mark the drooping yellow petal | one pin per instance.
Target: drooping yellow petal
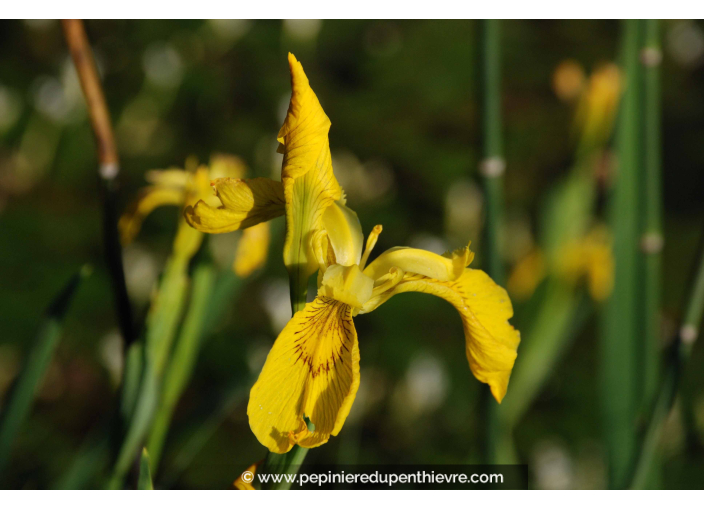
(245, 202)
(252, 250)
(413, 260)
(149, 199)
(309, 184)
(311, 371)
(345, 233)
(490, 341)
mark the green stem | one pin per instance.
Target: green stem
(620, 340)
(652, 235)
(680, 354)
(20, 403)
(492, 168)
(651, 241)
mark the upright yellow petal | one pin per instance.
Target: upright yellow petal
(490, 341)
(309, 184)
(311, 371)
(345, 233)
(245, 202)
(252, 250)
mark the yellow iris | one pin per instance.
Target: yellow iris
(588, 258)
(312, 371)
(184, 188)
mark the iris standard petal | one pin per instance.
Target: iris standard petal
(311, 371)
(309, 184)
(245, 202)
(345, 233)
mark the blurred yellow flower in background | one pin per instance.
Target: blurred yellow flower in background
(592, 258)
(596, 111)
(589, 257)
(568, 80)
(527, 275)
(184, 188)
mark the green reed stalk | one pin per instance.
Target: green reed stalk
(492, 169)
(679, 355)
(619, 349)
(651, 241)
(652, 236)
(20, 402)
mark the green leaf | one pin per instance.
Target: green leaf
(20, 402)
(145, 474)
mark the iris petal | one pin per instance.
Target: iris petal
(491, 342)
(311, 371)
(245, 202)
(309, 184)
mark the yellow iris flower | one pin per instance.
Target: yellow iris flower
(592, 258)
(313, 368)
(184, 188)
(589, 258)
